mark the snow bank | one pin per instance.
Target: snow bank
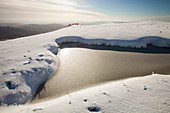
(19, 85)
(27, 62)
(149, 94)
(135, 35)
(136, 43)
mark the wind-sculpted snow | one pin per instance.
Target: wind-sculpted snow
(28, 62)
(149, 94)
(134, 43)
(19, 85)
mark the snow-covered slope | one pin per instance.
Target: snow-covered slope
(26, 63)
(149, 94)
(136, 35)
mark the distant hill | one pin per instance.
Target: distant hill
(12, 31)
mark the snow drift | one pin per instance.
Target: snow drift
(142, 42)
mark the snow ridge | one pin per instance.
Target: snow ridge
(142, 42)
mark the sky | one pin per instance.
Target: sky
(69, 11)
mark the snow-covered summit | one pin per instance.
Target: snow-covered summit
(26, 63)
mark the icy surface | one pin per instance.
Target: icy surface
(26, 63)
(149, 94)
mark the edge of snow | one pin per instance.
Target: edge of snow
(142, 42)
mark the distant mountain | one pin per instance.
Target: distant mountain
(12, 31)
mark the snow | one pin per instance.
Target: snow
(149, 94)
(27, 62)
(134, 43)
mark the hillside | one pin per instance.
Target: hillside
(12, 31)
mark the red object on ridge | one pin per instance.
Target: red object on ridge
(73, 24)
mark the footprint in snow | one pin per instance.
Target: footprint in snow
(48, 61)
(39, 59)
(41, 55)
(105, 93)
(36, 109)
(94, 108)
(85, 100)
(145, 88)
(27, 62)
(30, 58)
(124, 84)
(11, 85)
(13, 72)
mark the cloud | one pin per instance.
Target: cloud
(48, 11)
(71, 3)
(59, 11)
